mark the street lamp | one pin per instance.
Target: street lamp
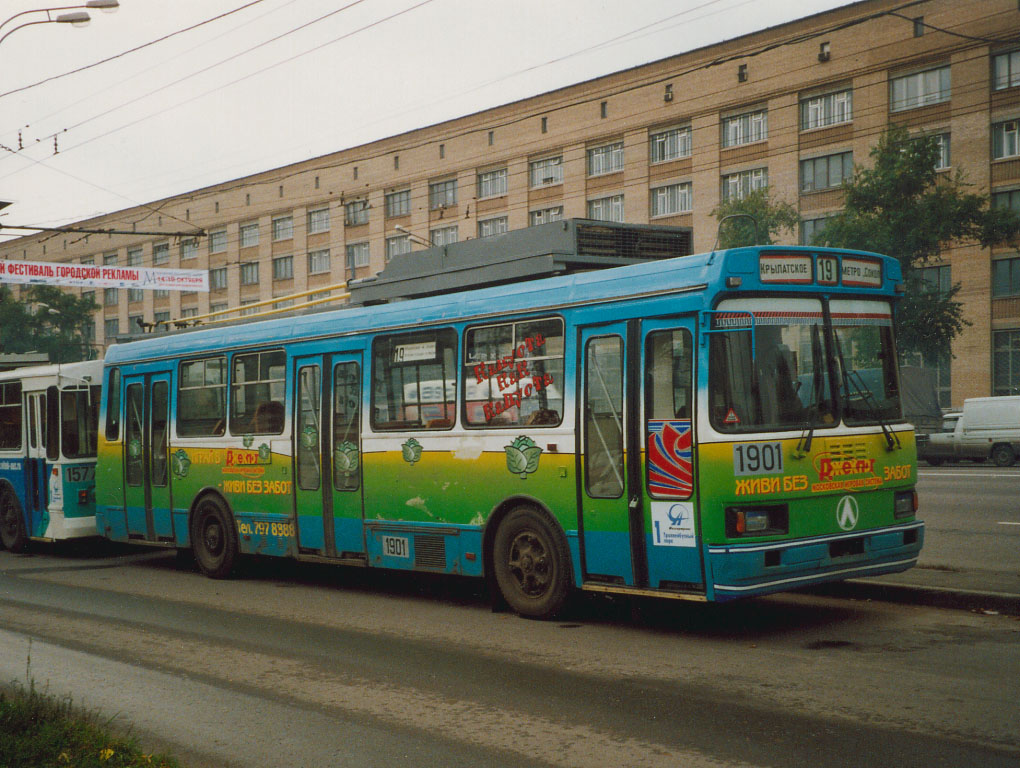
(77, 18)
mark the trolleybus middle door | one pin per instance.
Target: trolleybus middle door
(147, 457)
(612, 518)
(327, 454)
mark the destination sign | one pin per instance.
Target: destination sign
(785, 268)
(864, 273)
(801, 268)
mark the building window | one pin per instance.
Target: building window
(161, 321)
(356, 213)
(160, 253)
(944, 159)
(1004, 139)
(1006, 68)
(283, 268)
(218, 241)
(605, 159)
(745, 128)
(218, 279)
(918, 26)
(830, 109)
(318, 261)
(189, 311)
(111, 327)
(606, 208)
(671, 199)
(398, 203)
(1006, 277)
(318, 221)
(810, 229)
(442, 194)
(736, 186)
(222, 307)
(249, 234)
(919, 89)
(161, 293)
(1006, 362)
(825, 172)
(546, 172)
(189, 248)
(110, 297)
(494, 226)
(1009, 199)
(545, 215)
(398, 245)
(670, 144)
(357, 255)
(492, 183)
(250, 273)
(247, 308)
(283, 228)
(444, 235)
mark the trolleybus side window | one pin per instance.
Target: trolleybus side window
(257, 393)
(603, 417)
(346, 426)
(202, 398)
(51, 424)
(414, 383)
(113, 405)
(513, 374)
(10, 416)
(79, 422)
(309, 428)
(133, 434)
(669, 406)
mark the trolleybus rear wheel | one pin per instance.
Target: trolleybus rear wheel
(12, 522)
(213, 538)
(531, 563)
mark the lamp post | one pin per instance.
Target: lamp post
(416, 238)
(76, 18)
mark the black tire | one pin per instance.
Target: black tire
(214, 538)
(13, 535)
(934, 462)
(532, 564)
(1003, 455)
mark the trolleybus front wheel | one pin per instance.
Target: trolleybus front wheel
(12, 522)
(531, 563)
(213, 538)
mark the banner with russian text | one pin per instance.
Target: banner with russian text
(106, 276)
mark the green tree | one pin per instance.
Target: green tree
(771, 216)
(58, 326)
(903, 207)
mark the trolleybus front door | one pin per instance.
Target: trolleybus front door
(671, 505)
(638, 491)
(147, 457)
(611, 501)
(327, 455)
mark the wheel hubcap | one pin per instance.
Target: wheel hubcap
(529, 564)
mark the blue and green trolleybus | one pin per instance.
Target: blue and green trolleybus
(706, 427)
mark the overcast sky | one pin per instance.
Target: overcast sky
(280, 81)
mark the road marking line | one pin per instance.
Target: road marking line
(1001, 523)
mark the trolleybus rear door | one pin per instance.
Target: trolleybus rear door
(327, 454)
(147, 500)
(612, 519)
(671, 525)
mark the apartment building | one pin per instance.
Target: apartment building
(793, 107)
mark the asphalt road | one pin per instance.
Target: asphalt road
(293, 665)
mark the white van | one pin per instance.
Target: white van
(988, 427)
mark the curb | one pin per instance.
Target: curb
(937, 597)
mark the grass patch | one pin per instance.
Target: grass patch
(39, 730)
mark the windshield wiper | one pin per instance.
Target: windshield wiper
(892, 440)
(817, 383)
